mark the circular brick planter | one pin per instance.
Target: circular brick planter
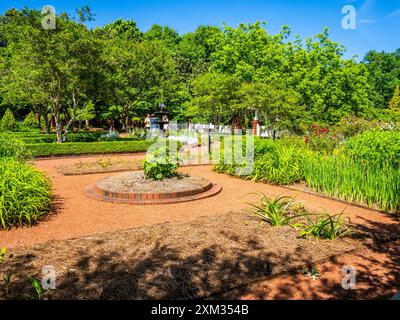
(94, 191)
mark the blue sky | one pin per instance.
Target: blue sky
(378, 21)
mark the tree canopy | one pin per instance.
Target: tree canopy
(214, 74)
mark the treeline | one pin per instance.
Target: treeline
(220, 75)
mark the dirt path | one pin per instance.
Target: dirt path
(77, 215)
(377, 273)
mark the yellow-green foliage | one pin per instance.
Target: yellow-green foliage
(25, 194)
(8, 122)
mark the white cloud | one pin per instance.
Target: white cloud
(394, 13)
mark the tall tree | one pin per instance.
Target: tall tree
(384, 76)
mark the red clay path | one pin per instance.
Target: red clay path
(77, 215)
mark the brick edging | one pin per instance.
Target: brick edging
(94, 192)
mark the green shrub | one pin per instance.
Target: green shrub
(59, 149)
(84, 137)
(13, 147)
(159, 165)
(40, 139)
(25, 194)
(8, 122)
(28, 134)
(274, 161)
(375, 147)
(322, 140)
(30, 121)
(281, 166)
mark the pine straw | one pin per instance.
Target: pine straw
(103, 165)
(196, 259)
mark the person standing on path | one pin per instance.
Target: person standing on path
(147, 122)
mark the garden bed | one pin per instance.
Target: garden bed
(134, 188)
(197, 259)
(103, 165)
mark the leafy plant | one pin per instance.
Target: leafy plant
(3, 252)
(375, 147)
(281, 166)
(138, 134)
(312, 273)
(325, 226)
(13, 147)
(376, 186)
(38, 289)
(25, 194)
(161, 164)
(7, 279)
(322, 140)
(277, 211)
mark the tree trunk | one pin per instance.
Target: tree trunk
(47, 123)
(67, 127)
(87, 124)
(58, 128)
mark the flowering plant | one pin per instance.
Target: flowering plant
(322, 139)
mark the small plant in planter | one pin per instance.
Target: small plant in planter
(159, 165)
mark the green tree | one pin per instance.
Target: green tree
(30, 121)
(278, 107)
(8, 122)
(122, 29)
(384, 76)
(143, 75)
(216, 98)
(394, 105)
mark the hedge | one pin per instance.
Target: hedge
(81, 148)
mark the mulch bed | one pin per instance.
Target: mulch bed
(103, 165)
(138, 183)
(197, 259)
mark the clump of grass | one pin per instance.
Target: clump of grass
(25, 194)
(13, 147)
(376, 186)
(277, 212)
(325, 226)
(284, 211)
